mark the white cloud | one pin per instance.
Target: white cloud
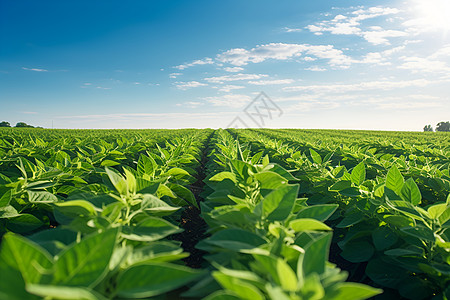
(233, 69)
(272, 82)
(235, 77)
(362, 86)
(351, 25)
(420, 64)
(189, 84)
(287, 29)
(315, 69)
(35, 69)
(229, 87)
(283, 51)
(233, 100)
(205, 61)
(175, 75)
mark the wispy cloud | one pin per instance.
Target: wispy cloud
(282, 51)
(175, 75)
(362, 86)
(189, 84)
(272, 82)
(350, 24)
(233, 69)
(229, 87)
(205, 61)
(35, 69)
(288, 29)
(235, 77)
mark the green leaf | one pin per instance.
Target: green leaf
(5, 199)
(383, 237)
(152, 279)
(270, 180)
(24, 256)
(41, 197)
(76, 208)
(355, 291)
(63, 292)
(316, 255)
(357, 251)
(279, 203)
(150, 229)
(287, 276)
(183, 193)
(24, 223)
(358, 174)
(224, 175)
(222, 295)
(394, 179)
(243, 289)
(385, 274)
(153, 204)
(420, 232)
(307, 225)
(109, 163)
(340, 185)
(117, 181)
(315, 157)
(410, 192)
(236, 239)
(85, 263)
(319, 212)
(436, 210)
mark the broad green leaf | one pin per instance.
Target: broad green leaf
(270, 180)
(279, 203)
(385, 274)
(420, 232)
(63, 292)
(131, 181)
(312, 288)
(117, 181)
(357, 251)
(355, 291)
(153, 204)
(243, 289)
(235, 239)
(183, 193)
(41, 197)
(146, 165)
(109, 163)
(410, 192)
(383, 237)
(76, 208)
(24, 256)
(315, 156)
(24, 223)
(316, 255)
(150, 229)
(222, 295)
(358, 174)
(223, 175)
(340, 185)
(85, 263)
(437, 210)
(319, 212)
(287, 276)
(5, 199)
(152, 279)
(306, 224)
(394, 179)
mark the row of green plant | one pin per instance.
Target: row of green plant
(394, 231)
(107, 234)
(265, 243)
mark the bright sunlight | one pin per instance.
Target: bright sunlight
(434, 14)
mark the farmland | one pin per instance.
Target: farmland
(224, 214)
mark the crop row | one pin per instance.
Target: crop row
(111, 214)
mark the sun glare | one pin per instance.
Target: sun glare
(434, 14)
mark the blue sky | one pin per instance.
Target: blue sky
(173, 64)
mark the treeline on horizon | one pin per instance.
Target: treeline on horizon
(19, 124)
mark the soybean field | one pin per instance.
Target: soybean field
(224, 214)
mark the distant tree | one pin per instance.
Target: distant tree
(443, 126)
(5, 124)
(428, 128)
(23, 124)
